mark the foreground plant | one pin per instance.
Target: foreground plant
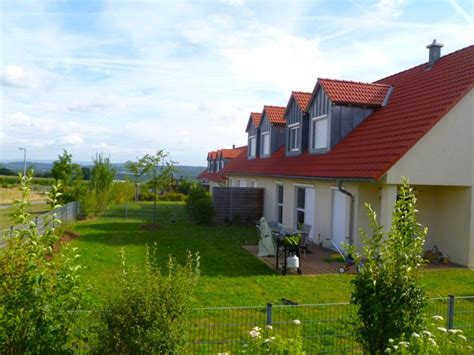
(434, 340)
(149, 314)
(39, 295)
(387, 291)
(268, 341)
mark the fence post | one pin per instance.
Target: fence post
(126, 210)
(451, 300)
(269, 314)
(65, 212)
(11, 231)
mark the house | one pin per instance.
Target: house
(348, 143)
(216, 160)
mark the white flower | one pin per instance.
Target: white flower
(269, 327)
(415, 335)
(257, 329)
(427, 333)
(297, 322)
(442, 329)
(388, 350)
(222, 353)
(462, 337)
(437, 317)
(432, 341)
(455, 331)
(254, 334)
(395, 347)
(390, 340)
(403, 344)
(245, 345)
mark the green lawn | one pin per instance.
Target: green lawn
(230, 275)
(35, 210)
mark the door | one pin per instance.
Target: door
(309, 210)
(339, 218)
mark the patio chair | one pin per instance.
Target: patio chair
(304, 230)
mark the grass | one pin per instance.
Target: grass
(230, 275)
(35, 210)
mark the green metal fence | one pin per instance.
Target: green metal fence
(325, 328)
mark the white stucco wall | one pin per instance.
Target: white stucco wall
(445, 155)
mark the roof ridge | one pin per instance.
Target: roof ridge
(354, 82)
(300, 92)
(422, 64)
(274, 106)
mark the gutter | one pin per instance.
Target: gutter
(300, 177)
(351, 212)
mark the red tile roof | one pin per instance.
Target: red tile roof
(354, 93)
(212, 155)
(215, 177)
(275, 114)
(231, 153)
(420, 98)
(302, 99)
(256, 117)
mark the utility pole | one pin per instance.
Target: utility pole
(24, 159)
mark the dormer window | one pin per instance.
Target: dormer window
(266, 143)
(208, 166)
(252, 152)
(222, 164)
(294, 134)
(320, 132)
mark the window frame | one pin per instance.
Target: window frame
(263, 135)
(242, 182)
(253, 183)
(294, 127)
(252, 147)
(300, 209)
(313, 129)
(278, 203)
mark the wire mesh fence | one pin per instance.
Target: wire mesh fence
(325, 328)
(166, 212)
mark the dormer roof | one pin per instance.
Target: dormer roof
(301, 98)
(345, 92)
(255, 118)
(231, 153)
(275, 114)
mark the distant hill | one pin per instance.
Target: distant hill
(43, 167)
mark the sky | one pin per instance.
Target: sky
(127, 78)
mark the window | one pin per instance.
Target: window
(294, 138)
(208, 166)
(242, 183)
(254, 183)
(300, 204)
(252, 147)
(266, 143)
(280, 204)
(222, 164)
(320, 132)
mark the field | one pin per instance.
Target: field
(6, 211)
(230, 275)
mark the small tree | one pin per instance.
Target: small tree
(137, 168)
(159, 169)
(387, 289)
(70, 176)
(39, 294)
(102, 177)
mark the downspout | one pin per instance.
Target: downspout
(351, 212)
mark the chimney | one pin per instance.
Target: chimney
(435, 52)
(233, 146)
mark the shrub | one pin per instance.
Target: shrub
(148, 315)
(199, 205)
(387, 289)
(172, 196)
(39, 295)
(122, 191)
(185, 186)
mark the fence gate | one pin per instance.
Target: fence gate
(237, 204)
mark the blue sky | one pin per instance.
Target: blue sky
(130, 77)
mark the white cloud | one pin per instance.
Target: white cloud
(17, 76)
(17, 119)
(72, 139)
(95, 104)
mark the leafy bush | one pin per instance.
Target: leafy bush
(39, 295)
(267, 341)
(172, 196)
(199, 205)
(122, 191)
(185, 186)
(387, 289)
(148, 315)
(434, 340)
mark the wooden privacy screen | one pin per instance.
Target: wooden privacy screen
(237, 204)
